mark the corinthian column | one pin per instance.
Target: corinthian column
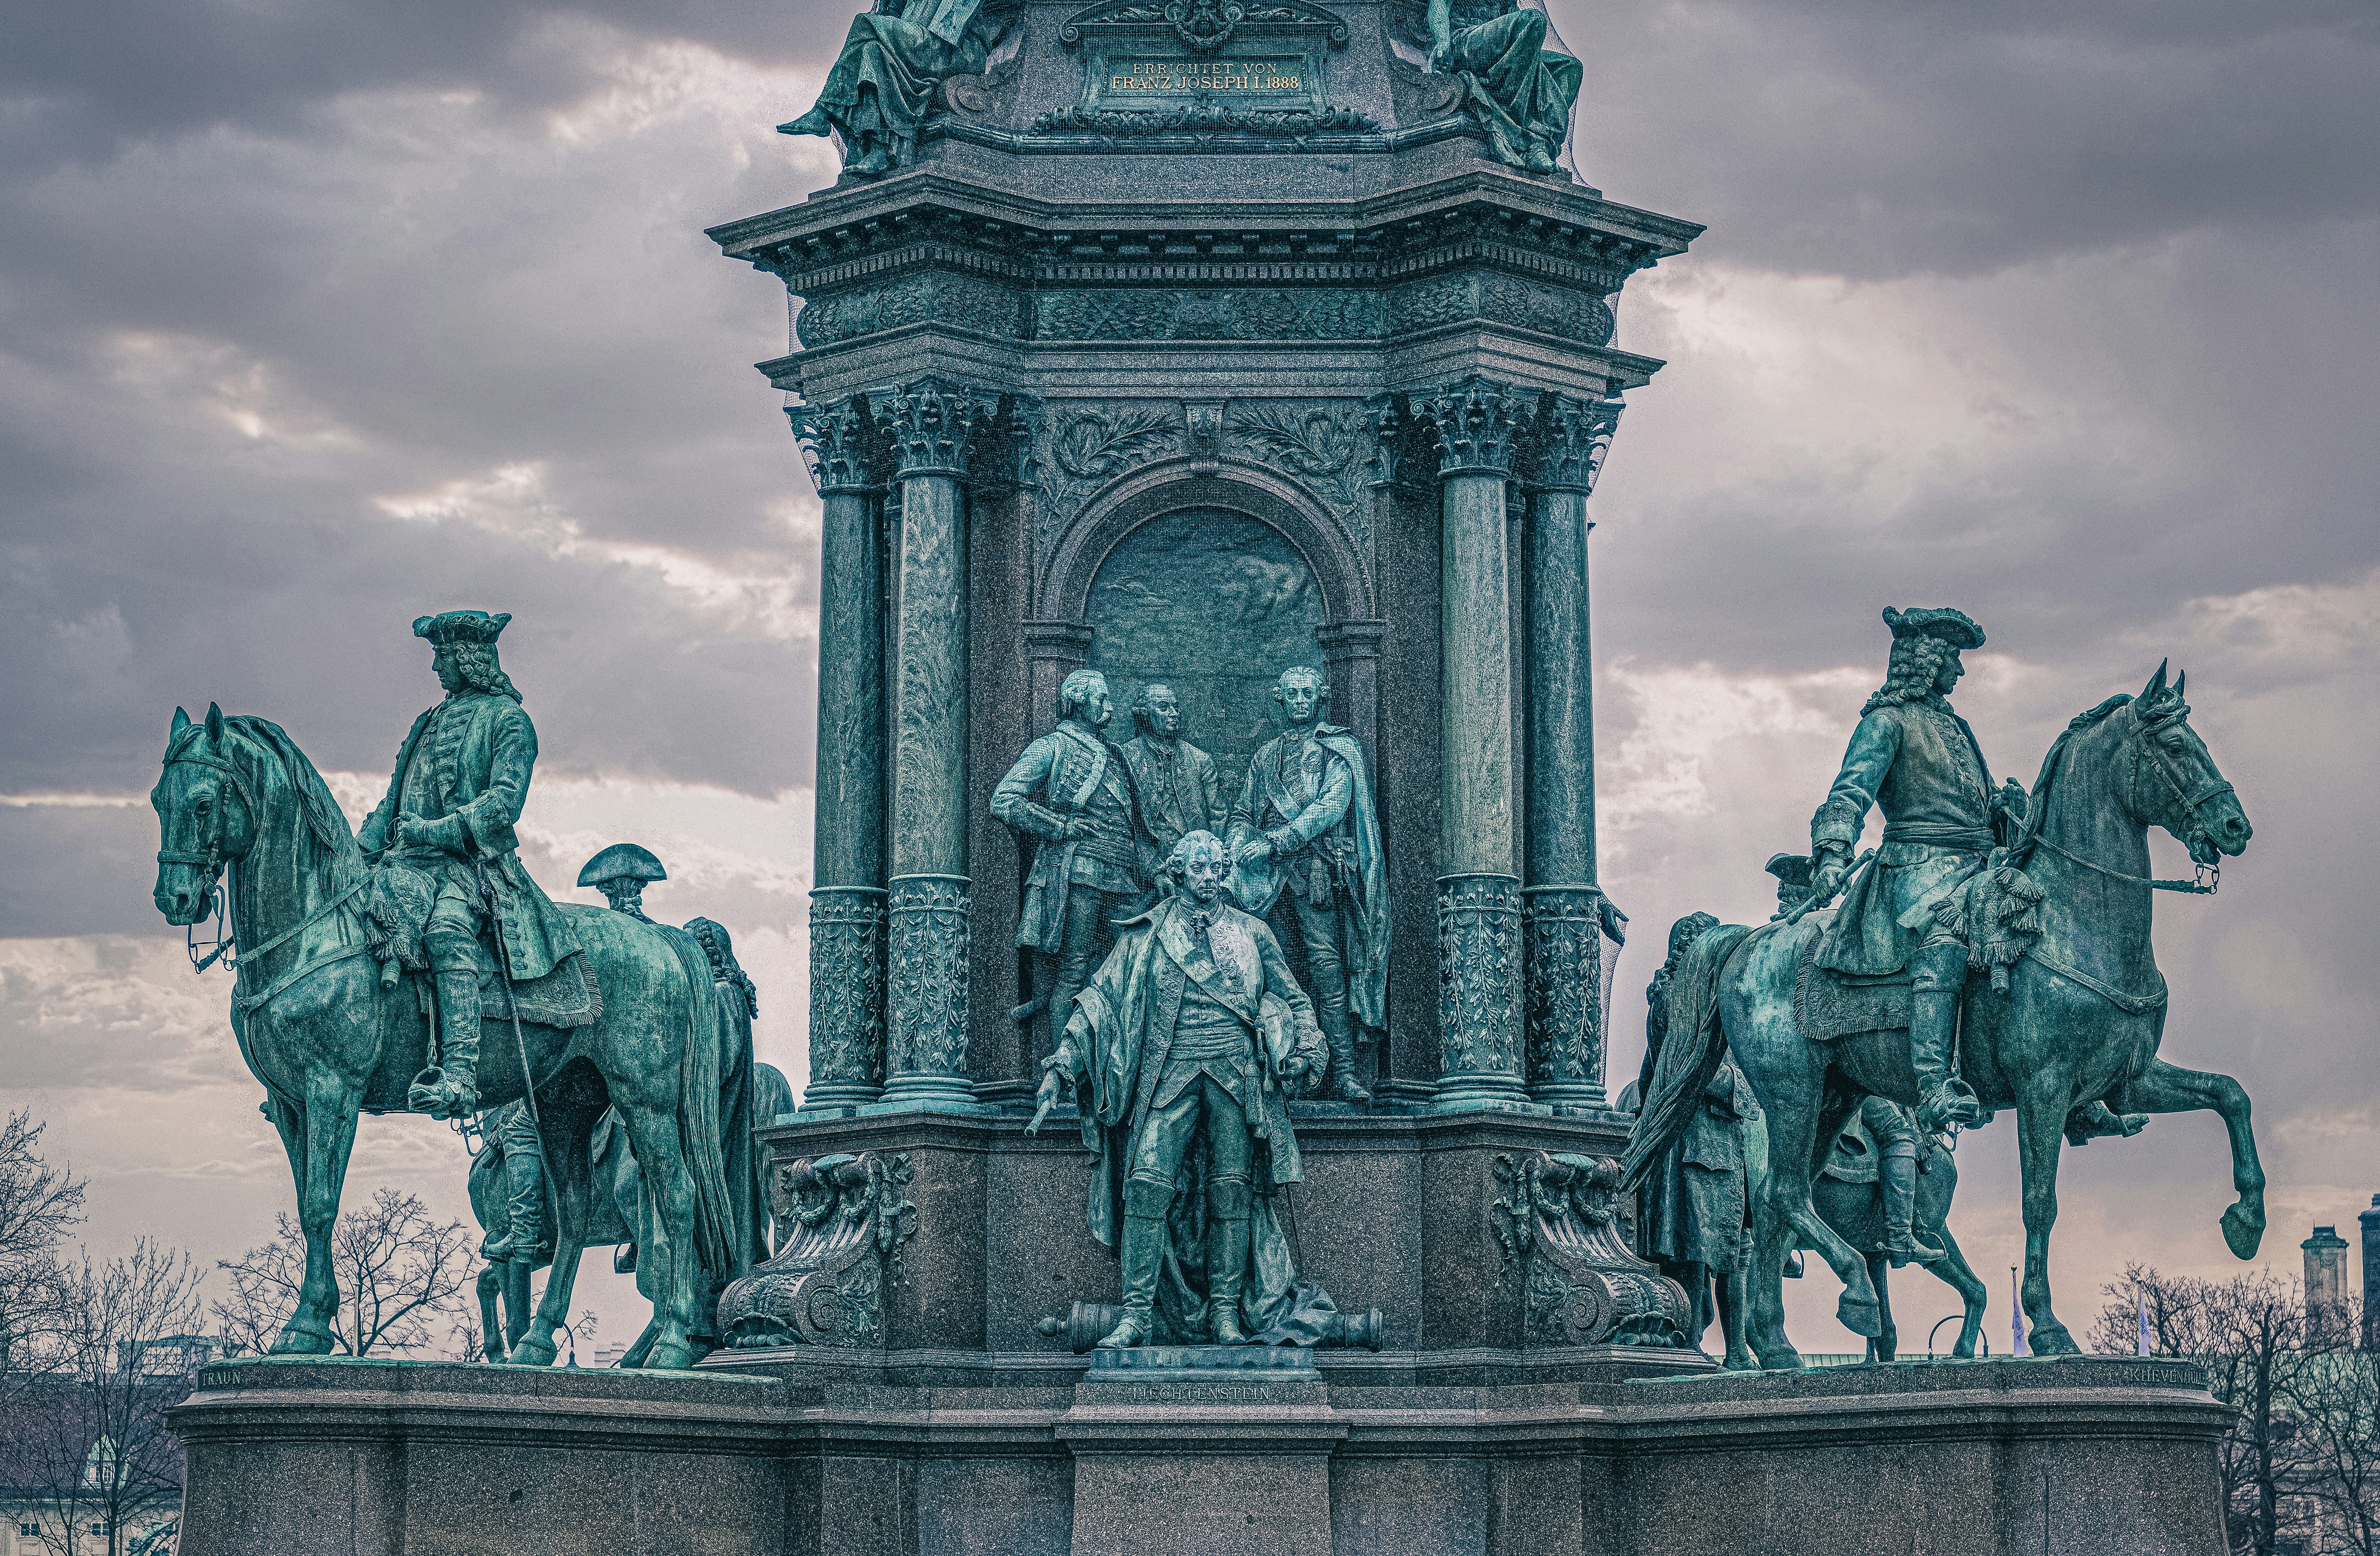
(1564, 914)
(847, 897)
(1478, 891)
(930, 895)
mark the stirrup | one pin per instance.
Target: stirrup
(1914, 1250)
(1947, 1101)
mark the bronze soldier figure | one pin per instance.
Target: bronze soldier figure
(621, 873)
(1179, 791)
(1193, 1029)
(1304, 830)
(462, 776)
(1073, 792)
(1918, 762)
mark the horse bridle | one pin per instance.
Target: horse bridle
(223, 947)
(2206, 879)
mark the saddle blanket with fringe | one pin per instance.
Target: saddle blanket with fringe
(565, 997)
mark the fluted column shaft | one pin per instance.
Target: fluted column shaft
(1479, 902)
(846, 1027)
(1565, 943)
(930, 895)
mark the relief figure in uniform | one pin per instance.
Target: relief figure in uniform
(1179, 791)
(1072, 793)
(1304, 834)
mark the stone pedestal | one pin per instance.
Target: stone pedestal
(842, 1453)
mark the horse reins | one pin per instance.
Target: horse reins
(224, 947)
(2207, 879)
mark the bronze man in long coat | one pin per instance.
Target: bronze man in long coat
(1304, 831)
(1179, 791)
(1072, 792)
(1918, 762)
(462, 776)
(1193, 1029)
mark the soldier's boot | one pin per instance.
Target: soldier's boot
(1898, 1174)
(1227, 1258)
(1938, 974)
(450, 1089)
(1143, 1251)
(1344, 1086)
(524, 1233)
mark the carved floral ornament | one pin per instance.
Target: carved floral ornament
(1205, 25)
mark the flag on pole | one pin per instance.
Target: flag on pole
(2142, 1297)
(2016, 1315)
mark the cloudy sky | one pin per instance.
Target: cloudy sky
(316, 315)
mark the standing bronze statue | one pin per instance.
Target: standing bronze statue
(1072, 792)
(1193, 1034)
(462, 776)
(1179, 791)
(1693, 1214)
(622, 872)
(1918, 762)
(1304, 831)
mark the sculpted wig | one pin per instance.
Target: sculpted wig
(1196, 846)
(1305, 671)
(1909, 674)
(480, 671)
(1140, 703)
(1076, 690)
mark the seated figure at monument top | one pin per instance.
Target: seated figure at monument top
(1520, 90)
(893, 64)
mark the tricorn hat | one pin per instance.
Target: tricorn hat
(1954, 627)
(622, 858)
(1791, 869)
(460, 627)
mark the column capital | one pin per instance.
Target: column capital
(1066, 640)
(931, 425)
(1477, 422)
(1567, 442)
(1342, 640)
(841, 445)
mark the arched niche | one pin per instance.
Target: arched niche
(1284, 524)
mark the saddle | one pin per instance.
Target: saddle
(1995, 912)
(396, 904)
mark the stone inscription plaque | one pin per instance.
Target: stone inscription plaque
(1234, 77)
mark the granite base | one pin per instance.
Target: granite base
(2109, 1456)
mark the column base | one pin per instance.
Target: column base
(945, 1094)
(837, 1098)
(1483, 1092)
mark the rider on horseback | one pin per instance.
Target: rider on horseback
(461, 777)
(1918, 762)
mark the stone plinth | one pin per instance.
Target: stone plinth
(821, 1455)
(341, 1457)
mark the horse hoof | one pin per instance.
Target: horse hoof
(1863, 1316)
(671, 1355)
(2052, 1341)
(533, 1352)
(2243, 1232)
(295, 1342)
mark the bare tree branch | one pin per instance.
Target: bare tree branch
(401, 1278)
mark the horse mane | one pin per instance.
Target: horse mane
(316, 805)
(2037, 803)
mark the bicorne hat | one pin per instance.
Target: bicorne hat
(622, 858)
(1791, 869)
(1954, 627)
(460, 627)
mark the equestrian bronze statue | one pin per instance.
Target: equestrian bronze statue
(2059, 1005)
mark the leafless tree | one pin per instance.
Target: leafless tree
(2251, 1335)
(401, 1278)
(38, 1204)
(92, 1440)
(2336, 1398)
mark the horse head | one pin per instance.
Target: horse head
(205, 816)
(2174, 783)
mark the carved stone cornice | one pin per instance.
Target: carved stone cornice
(1569, 442)
(1477, 423)
(930, 426)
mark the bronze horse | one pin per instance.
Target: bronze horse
(329, 1037)
(2073, 1035)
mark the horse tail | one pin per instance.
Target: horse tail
(1690, 1052)
(699, 1083)
(771, 1095)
